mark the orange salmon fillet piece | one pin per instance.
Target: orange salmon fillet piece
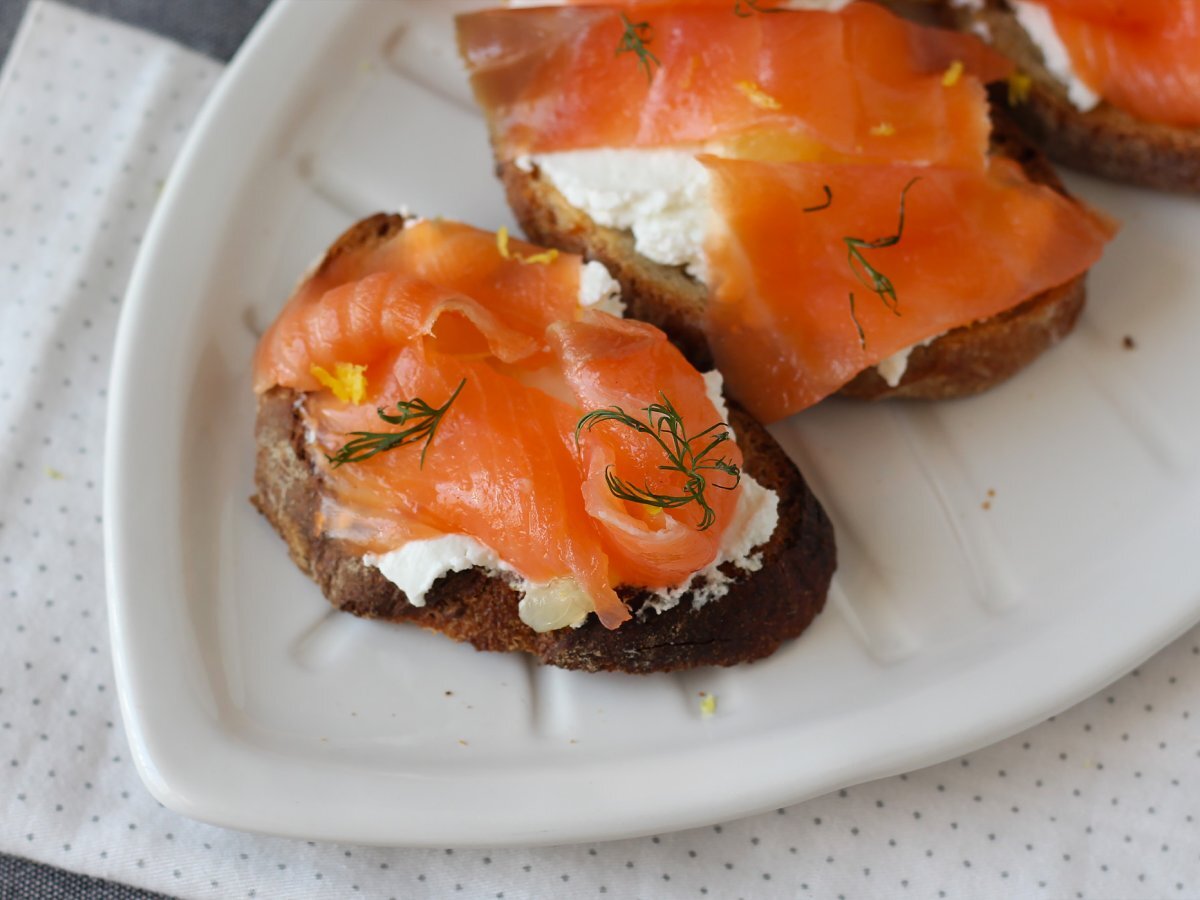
(821, 82)
(974, 244)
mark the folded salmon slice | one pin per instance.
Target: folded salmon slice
(616, 363)
(464, 321)
(1143, 56)
(861, 82)
(797, 314)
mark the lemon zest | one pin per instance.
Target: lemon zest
(544, 258)
(348, 381)
(883, 129)
(757, 95)
(951, 76)
(708, 705)
(1019, 85)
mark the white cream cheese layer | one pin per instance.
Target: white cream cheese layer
(599, 290)
(415, 566)
(892, 369)
(1039, 25)
(561, 602)
(660, 195)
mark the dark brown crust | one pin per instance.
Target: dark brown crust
(962, 362)
(970, 360)
(1105, 141)
(760, 611)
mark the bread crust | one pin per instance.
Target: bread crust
(760, 611)
(960, 363)
(1105, 141)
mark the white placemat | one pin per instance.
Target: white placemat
(1099, 802)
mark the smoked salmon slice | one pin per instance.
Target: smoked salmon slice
(860, 83)
(490, 335)
(1143, 56)
(796, 315)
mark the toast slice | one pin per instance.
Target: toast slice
(1105, 141)
(964, 361)
(761, 609)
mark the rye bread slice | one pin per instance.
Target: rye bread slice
(1105, 141)
(760, 611)
(962, 362)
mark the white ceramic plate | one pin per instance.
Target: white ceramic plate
(249, 703)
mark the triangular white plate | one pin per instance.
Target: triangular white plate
(1000, 558)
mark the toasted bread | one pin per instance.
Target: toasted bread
(760, 610)
(1105, 141)
(961, 362)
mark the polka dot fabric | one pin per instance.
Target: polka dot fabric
(1099, 802)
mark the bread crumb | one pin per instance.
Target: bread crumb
(59, 476)
(462, 742)
(1128, 342)
(986, 504)
(449, 693)
(991, 492)
(708, 705)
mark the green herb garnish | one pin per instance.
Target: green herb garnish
(665, 426)
(746, 8)
(868, 274)
(828, 201)
(634, 40)
(426, 420)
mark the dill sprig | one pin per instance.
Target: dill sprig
(868, 274)
(691, 457)
(424, 417)
(746, 8)
(634, 40)
(828, 201)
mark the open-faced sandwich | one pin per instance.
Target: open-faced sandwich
(816, 201)
(1109, 86)
(455, 430)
